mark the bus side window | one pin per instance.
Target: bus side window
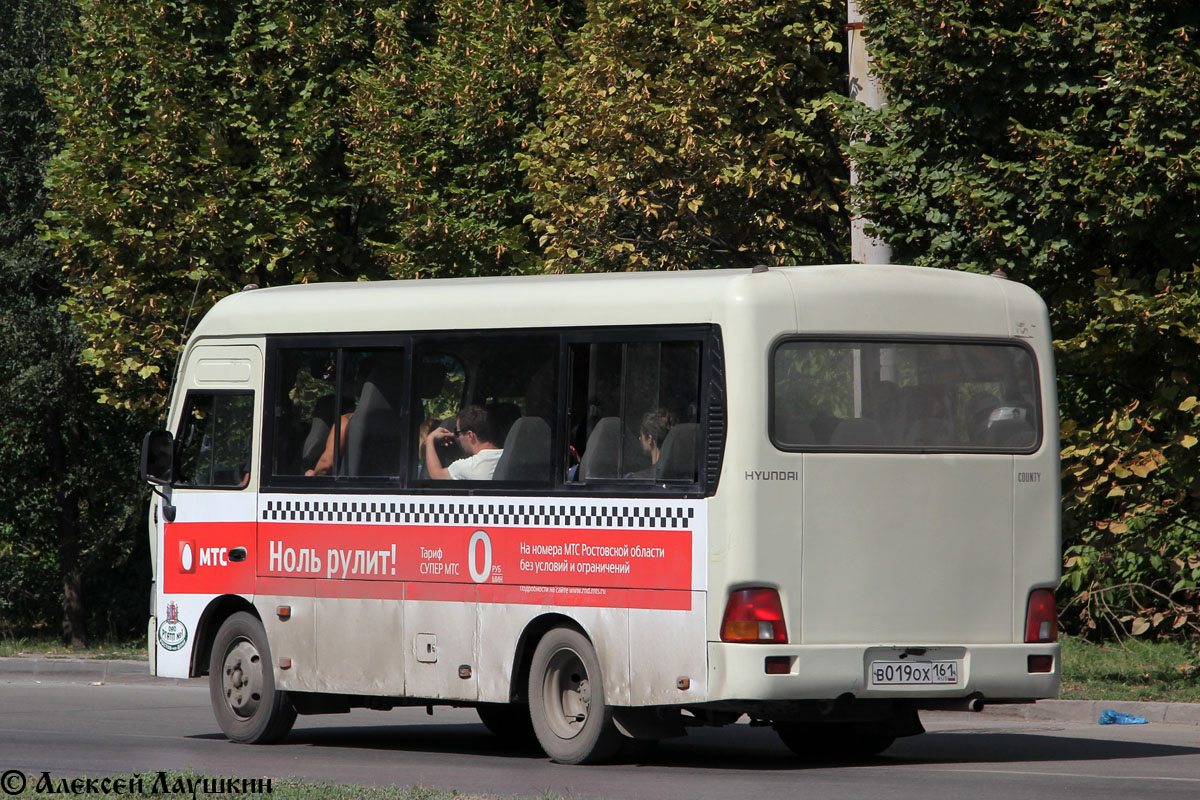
(304, 408)
(635, 411)
(215, 440)
(338, 412)
(514, 380)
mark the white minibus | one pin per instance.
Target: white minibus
(602, 509)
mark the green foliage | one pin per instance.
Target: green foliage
(204, 147)
(68, 513)
(1059, 141)
(1137, 669)
(438, 119)
(690, 135)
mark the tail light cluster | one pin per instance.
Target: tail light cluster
(754, 616)
(1041, 618)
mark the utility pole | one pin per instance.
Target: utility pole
(864, 88)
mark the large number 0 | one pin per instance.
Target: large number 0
(479, 574)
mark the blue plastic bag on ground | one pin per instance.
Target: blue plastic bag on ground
(1110, 717)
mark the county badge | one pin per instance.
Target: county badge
(172, 634)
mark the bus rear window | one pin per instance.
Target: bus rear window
(904, 396)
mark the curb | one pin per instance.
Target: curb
(1088, 711)
(71, 669)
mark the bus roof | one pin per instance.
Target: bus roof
(828, 298)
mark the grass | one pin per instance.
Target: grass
(53, 648)
(1132, 670)
(179, 784)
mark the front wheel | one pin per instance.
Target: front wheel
(241, 684)
(509, 721)
(572, 721)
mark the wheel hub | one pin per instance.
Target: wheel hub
(242, 679)
(567, 694)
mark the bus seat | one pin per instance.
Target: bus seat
(979, 408)
(793, 430)
(373, 436)
(823, 426)
(526, 455)
(930, 432)
(862, 432)
(503, 415)
(603, 447)
(677, 459)
(318, 432)
(1010, 433)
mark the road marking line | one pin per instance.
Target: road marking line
(1072, 775)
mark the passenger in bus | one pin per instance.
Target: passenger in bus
(651, 435)
(476, 436)
(427, 427)
(324, 465)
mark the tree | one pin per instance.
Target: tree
(438, 120)
(690, 135)
(1058, 140)
(204, 147)
(68, 512)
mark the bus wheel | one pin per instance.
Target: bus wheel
(241, 684)
(566, 700)
(832, 742)
(509, 721)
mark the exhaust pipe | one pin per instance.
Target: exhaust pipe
(972, 702)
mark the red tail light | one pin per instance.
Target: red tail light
(754, 615)
(1041, 618)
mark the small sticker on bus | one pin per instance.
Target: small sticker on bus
(172, 634)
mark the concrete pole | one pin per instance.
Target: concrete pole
(863, 87)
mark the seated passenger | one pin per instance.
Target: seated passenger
(324, 465)
(476, 437)
(653, 432)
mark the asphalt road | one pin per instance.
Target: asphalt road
(70, 729)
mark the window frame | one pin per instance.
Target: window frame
(338, 343)
(178, 442)
(710, 345)
(712, 397)
(903, 339)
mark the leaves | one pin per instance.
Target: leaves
(684, 137)
(71, 498)
(204, 148)
(1059, 141)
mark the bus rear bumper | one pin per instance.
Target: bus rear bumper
(986, 672)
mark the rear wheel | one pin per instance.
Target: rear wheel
(570, 717)
(241, 684)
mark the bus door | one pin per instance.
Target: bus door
(329, 539)
(207, 548)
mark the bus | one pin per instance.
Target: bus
(820, 498)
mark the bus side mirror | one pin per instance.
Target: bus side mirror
(158, 457)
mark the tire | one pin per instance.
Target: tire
(833, 742)
(241, 684)
(570, 717)
(509, 721)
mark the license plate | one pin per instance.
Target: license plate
(913, 673)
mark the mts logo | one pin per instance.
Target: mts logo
(189, 555)
(214, 556)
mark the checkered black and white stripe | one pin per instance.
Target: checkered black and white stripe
(540, 514)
